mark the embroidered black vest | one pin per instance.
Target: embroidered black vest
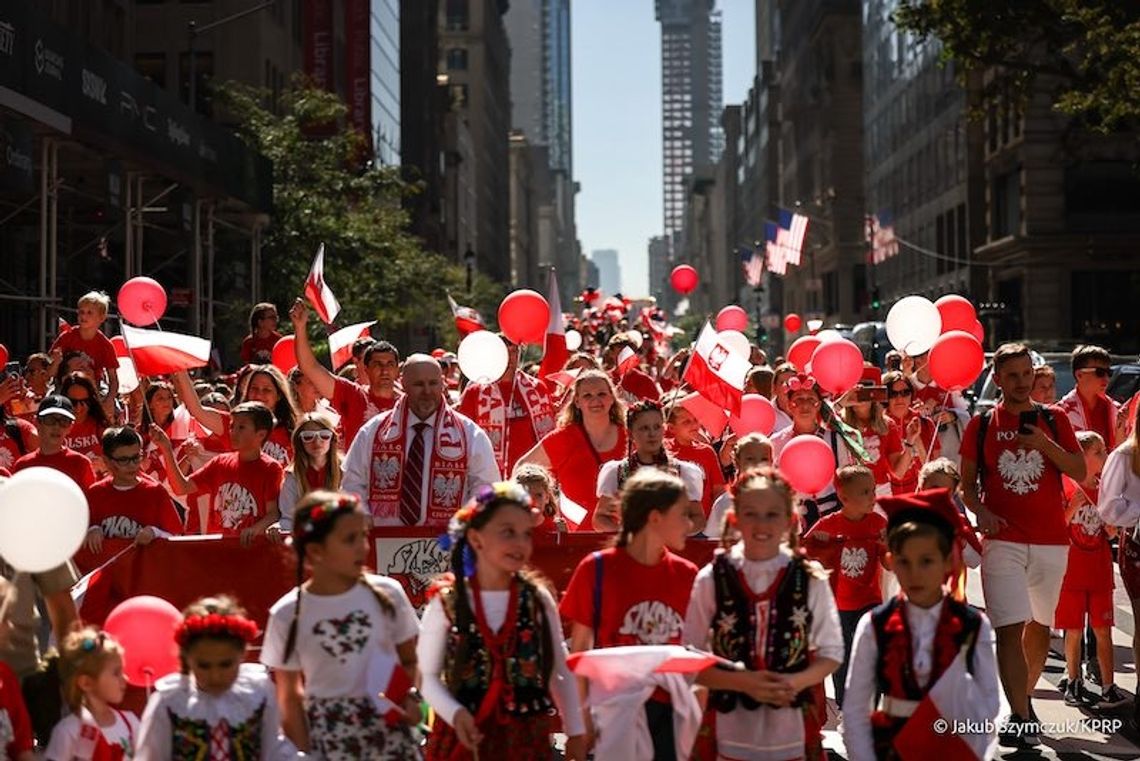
(959, 624)
(526, 692)
(733, 633)
(190, 738)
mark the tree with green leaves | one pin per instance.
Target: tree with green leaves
(324, 193)
(1086, 51)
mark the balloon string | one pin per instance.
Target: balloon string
(157, 326)
(934, 438)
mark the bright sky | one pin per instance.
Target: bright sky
(617, 121)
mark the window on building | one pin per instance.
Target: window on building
(203, 75)
(457, 59)
(457, 15)
(1005, 205)
(152, 66)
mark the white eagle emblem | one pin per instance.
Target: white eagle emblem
(1020, 470)
(852, 561)
(717, 357)
(446, 489)
(384, 472)
(1088, 519)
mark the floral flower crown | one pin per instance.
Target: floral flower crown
(322, 512)
(216, 624)
(488, 493)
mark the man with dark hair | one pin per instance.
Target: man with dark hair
(1012, 461)
(1087, 406)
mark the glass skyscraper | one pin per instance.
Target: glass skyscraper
(384, 34)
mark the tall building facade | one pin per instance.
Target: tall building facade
(384, 80)
(659, 269)
(609, 270)
(691, 97)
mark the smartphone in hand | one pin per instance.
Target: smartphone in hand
(1026, 419)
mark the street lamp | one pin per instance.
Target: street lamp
(194, 30)
(469, 263)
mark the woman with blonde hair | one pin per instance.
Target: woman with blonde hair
(316, 464)
(591, 431)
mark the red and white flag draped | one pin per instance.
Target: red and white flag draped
(317, 291)
(717, 372)
(627, 360)
(948, 705)
(615, 667)
(387, 680)
(160, 352)
(341, 341)
(467, 320)
(555, 353)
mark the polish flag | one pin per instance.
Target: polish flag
(62, 326)
(160, 352)
(612, 668)
(626, 361)
(555, 353)
(953, 701)
(717, 372)
(467, 320)
(713, 418)
(387, 680)
(565, 378)
(572, 512)
(340, 342)
(318, 291)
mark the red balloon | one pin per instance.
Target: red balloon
(141, 301)
(957, 313)
(732, 317)
(792, 323)
(684, 279)
(120, 346)
(284, 355)
(837, 365)
(956, 360)
(757, 415)
(524, 316)
(3, 354)
(978, 332)
(144, 626)
(801, 350)
(808, 464)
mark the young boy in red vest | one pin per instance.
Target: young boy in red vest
(243, 484)
(922, 661)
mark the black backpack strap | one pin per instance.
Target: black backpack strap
(1050, 419)
(597, 594)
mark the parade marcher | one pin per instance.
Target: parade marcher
(683, 441)
(257, 347)
(919, 642)
(490, 649)
(633, 383)
(87, 339)
(417, 463)
(86, 433)
(1087, 406)
(882, 437)
(316, 465)
(17, 435)
(540, 485)
(54, 420)
(749, 451)
(516, 411)
(340, 639)
(591, 431)
(763, 591)
(948, 409)
(1014, 488)
(1044, 385)
(918, 432)
(217, 699)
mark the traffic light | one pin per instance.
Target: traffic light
(876, 301)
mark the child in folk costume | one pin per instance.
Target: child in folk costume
(219, 707)
(91, 669)
(636, 593)
(763, 591)
(491, 651)
(922, 655)
(343, 643)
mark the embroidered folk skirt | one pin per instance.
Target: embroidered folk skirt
(515, 738)
(350, 729)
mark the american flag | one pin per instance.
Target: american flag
(881, 237)
(792, 233)
(753, 262)
(777, 257)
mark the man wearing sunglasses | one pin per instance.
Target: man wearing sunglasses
(1087, 406)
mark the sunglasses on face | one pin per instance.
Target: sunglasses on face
(1101, 372)
(310, 436)
(895, 392)
(134, 459)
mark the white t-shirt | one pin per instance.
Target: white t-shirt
(75, 736)
(691, 474)
(338, 636)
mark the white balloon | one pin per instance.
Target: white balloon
(128, 378)
(736, 341)
(825, 336)
(483, 357)
(43, 519)
(573, 340)
(913, 325)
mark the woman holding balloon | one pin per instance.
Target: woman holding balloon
(919, 433)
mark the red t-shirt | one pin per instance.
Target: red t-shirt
(99, 349)
(880, 447)
(851, 552)
(704, 457)
(357, 405)
(575, 465)
(9, 447)
(640, 604)
(1090, 555)
(258, 351)
(1022, 485)
(239, 492)
(520, 428)
(909, 482)
(123, 513)
(66, 461)
(14, 713)
(85, 438)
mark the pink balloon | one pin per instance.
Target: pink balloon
(524, 316)
(144, 626)
(978, 332)
(684, 279)
(792, 323)
(732, 317)
(141, 301)
(837, 365)
(957, 313)
(801, 350)
(757, 415)
(956, 360)
(284, 355)
(808, 464)
(120, 347)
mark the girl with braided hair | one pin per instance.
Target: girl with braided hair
(343, 643)
(494, 665)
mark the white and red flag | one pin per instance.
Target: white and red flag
(573, 513)
(467, 320)
(160, 352)
(555, 353)
(717, 372)
(317, 291)
(341, 341)
(62, 326)
(627, 360)
(614, 667)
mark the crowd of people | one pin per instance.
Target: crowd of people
(861, 582)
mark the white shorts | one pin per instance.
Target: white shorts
(1022, 582)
